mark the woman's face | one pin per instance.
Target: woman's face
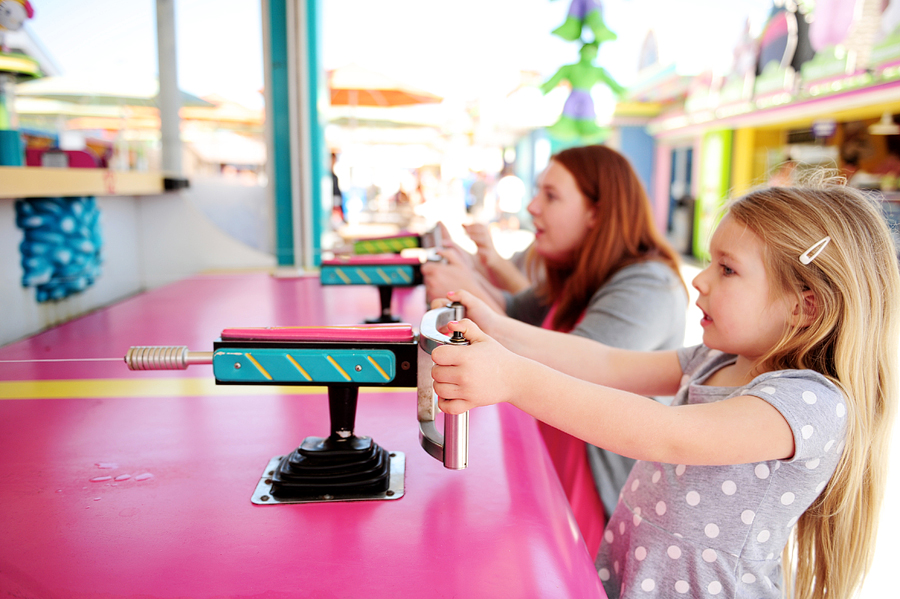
(561, 215)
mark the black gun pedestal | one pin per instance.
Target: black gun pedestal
(340, 467)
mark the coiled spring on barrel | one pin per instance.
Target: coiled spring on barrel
(164, 357)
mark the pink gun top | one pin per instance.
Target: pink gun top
(376, 333)
(372, 259)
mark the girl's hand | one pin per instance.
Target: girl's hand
(477, 310)
(480, 374)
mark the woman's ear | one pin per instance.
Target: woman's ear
(592, 217)
(805, 310)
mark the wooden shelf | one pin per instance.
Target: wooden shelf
(31, 182)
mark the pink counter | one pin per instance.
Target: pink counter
(138, 484)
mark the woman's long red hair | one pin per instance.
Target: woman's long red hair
(624, 234)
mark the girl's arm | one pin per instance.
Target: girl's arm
(737, 430)
(647, 373)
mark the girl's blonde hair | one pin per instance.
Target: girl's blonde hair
(852, 339)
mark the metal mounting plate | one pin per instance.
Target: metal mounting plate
(263, 493)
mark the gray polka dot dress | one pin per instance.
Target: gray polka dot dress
(718, 531)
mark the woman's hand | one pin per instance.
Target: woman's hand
(480, 374)
(442, 277)
(487, 254)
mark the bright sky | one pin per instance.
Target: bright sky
(451, 48)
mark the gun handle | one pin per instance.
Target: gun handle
(451, 448)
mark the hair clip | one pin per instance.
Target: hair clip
(814, 250)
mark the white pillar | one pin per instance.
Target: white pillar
(169, 99)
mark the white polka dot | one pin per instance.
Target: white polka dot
(692, 498)
(715, 587)
(682, 586)
(678, 534)
(640, 554)
(709, 556)
(768, 581)
(770, 556)
(763, 536)
(679, 469)
(603, 573)
(637, 519)
(616, 566)
(647, 585)
(769, 390)
(711, 530)
(674, 551)
(787, 498)
(747, 516)
(809, 397)
(729, 488)
(829, 445)
(812, 464)
(807, 431)
(660, 508)
(656, 476)
(609, 536)
(762, 471)
(841, 410)
(821, 486)
(748, 578)
(621, 528)
(791, 522)
(635, 484)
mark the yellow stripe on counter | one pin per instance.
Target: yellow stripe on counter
(140, 387)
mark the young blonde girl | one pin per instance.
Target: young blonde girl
(777, 438)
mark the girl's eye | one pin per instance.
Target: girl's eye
(726, 270)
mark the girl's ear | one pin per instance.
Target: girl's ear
(805, 310)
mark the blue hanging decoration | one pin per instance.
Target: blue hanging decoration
(61, 251)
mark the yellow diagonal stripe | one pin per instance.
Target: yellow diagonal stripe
(338, 367)
(343, 277)
(258, 366)
(156, 387)
(384, 276)
(298, 367)
(378, 368)
(362, 275)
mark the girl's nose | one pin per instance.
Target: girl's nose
(699, 282)
(533, 206)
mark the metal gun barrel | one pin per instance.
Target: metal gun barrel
(164, 357)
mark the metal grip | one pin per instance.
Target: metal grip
(164, 357)
(452, 448)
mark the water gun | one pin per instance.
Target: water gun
(342, 466)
